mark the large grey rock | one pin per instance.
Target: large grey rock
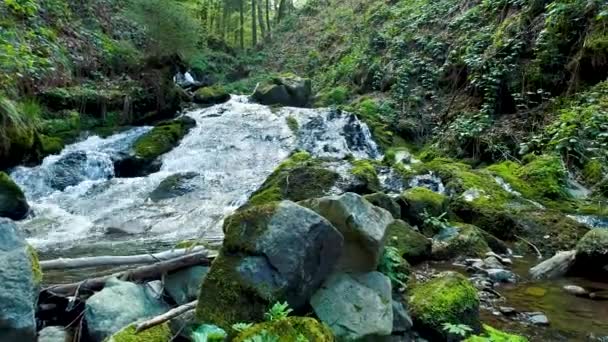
(117, 305)
(355, 306)
(52, 334)
(363, 225)
(274, 252)
(287, 90)
(18, 292)
(12, 200)
(385, 201)
(183, 285)
(554, 267)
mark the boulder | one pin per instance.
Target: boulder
(449, 298)
(162, 138)
(288, 330)
(285, 90)
(386, 202)
(555, 267)
(402, 322)
(416, 202)
(592, 252)
(459, 239)
(75, 167)
(274, 252)
(159, 333)
(119, 304)
(363, 225)
(211, 95)
(12, 200)
(173, 186)
(355, 305)
(183, 285)
(20, 277)
(53, 334)
(413, 246)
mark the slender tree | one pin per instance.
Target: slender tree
(261, 19)
(242, 23)
(268, 16)
(254, 28)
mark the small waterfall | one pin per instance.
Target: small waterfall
(78, 204)
(429, 181)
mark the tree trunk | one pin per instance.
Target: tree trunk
(242, 24)
(224, 20)
(254, 28)
(281, 11)
(261, 19)
(268, 18)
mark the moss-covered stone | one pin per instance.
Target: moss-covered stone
(592, 251)
(289, 330)
(466, 240)
(298, 178)
(12, 200)
(50, 145)
(413, 246)
(293, 124)
(417, 202)
(495, 335)
(159, 333)
(211, 95)
(449, 298)
(162, 138)
(286, 90)
(36, 270)
(365, 172)
(385, 201)
(173, 186)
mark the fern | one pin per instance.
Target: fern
(240, 327)
(278, 311)
(461, 330)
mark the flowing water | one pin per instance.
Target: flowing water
(80, 208)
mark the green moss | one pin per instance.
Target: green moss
(50, 145)
(296, 179)
(12, 200)
(386, 202)
(413, 246)
(449, 298)
(292, 123)
(365, 172)
(594, 245)
(159, 333)
(422, 201)
(546, 176)
(162, 138)
(333, 97)
(494, 335)
(593, 172)
(289, 330)
(211, 95)
(468, 241)
(36, 270)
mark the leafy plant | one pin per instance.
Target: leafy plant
(278, 311)
(438, 223)
(393, 265)
(240, 327)
(208, 333)
(263, 336)
(461, 330)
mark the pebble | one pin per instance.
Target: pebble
(507, 310)
(537, 318)
(576, 290)
(500, 275)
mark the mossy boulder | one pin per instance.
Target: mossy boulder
(298, 178)
(13, 203)
(18, 146)
(495, 335)
(385, 202)
(211, 95)
(459, 239)
(592, 252)
(173, 186)
(449, 298)
(416, 202)
(286, 90)
(49, 145)
(288, 330)
(159, 333)
(162, 138)
(413, 246)
(363, 225)
(274, 252)
(366, 175)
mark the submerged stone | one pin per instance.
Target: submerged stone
(355, 306)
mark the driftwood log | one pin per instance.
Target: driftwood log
(107, 261)
(139, 274)
(167, 316)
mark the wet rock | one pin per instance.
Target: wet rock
(75, 167)
(501, 259)
(413, 246)
(20, 280)
(12, 200)
(464, 240)
(449, 298)
(53, 334)
(500, 275)
(289, 329)
(275, 252)
(386, 202)
(402, 322)
(355, 306)
(507, 310)
(592, 252)
(363, 225)
(416, 202)
(492, 262)
(173, 186)
(576, 290)
(554, 267)
(211, 95)
(287, 90)
(130, 166)
(183, 285)
(120, 303)
(537, 318)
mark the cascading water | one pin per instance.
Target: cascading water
(230, 152)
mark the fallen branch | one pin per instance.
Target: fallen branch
(140, 274)
(105, 261)
(167, 316)
(540, 256)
